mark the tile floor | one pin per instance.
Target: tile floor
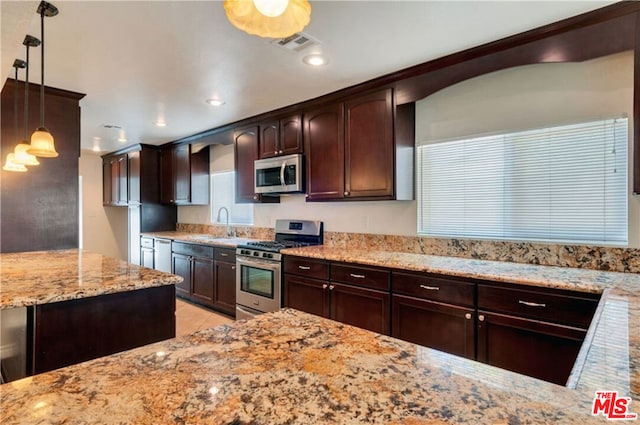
(191, 318)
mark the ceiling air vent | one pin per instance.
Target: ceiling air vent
(296, 42)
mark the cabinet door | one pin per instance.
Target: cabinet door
(106, 182)
(133, 167)
(224, 296)
(166, 176)
(202, 280)
(290, 135)
(305, 294)
(182, 174)
(181, 265)
(365, 308)
(269, 139)
(441, 326)
(369, 146)
(324, 152)
(114, 172)
(146, 257)
(531, 347)
(246, 151)
(123, 184)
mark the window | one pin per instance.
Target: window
(561, 184)
(223, 192)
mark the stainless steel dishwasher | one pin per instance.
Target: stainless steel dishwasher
(162, 258)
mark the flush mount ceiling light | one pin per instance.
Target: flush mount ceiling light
(42, 143)
(315, 59)
(215, 102)
(269, 18)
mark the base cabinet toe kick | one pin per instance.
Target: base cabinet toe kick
(535, 331)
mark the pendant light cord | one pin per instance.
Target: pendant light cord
(15, 103)
(26, 98)
(42, 68)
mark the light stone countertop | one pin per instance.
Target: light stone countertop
(41, 277)
(200, 238)
(288, 367)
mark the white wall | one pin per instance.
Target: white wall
(104, 229)
(516, 98)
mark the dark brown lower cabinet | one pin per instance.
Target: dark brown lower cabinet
(362, 307)
(181, 265)
(202, 280)
(305, 294)
(224, 297)
(437, 325)
(70, 332)
(543, 350)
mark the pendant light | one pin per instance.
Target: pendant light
(269, 18)
(42, 143)
(11, 164)
(20, 151)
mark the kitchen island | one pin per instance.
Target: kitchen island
(288, 367)
(66, 306)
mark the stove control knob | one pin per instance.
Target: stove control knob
(256, 254)
(267, 255)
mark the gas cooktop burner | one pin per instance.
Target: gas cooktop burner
(275, 246)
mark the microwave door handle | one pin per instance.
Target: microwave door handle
(282, 168)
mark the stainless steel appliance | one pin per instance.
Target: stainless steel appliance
(279, 175)
(259, 266)
(162, 255)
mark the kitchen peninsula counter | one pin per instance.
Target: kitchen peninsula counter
(288, 367)
(42, 277)
(610, 356)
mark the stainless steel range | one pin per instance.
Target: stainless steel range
(259, 266)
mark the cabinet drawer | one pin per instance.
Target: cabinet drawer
(307, 267)
(573, 309)
(361, 276)
(192, 249)
(223, 254)
(433, 287)
(146, 242)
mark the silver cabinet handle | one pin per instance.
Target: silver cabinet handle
(467, 316)
(233, 267)
(331, 287)
(357, 276)
(530, 304)
(324, 286)
(346, 194)
(224, 254)
(430, 288)
(304, 267)
(481, 317)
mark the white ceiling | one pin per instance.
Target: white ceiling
(138, 61)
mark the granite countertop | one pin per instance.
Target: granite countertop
(200, 238)
(289, 367)
(610, 356)
(41, 277)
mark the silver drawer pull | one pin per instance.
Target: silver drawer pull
(304, 267)
(430, 288)
(222, 254)
(331, 287)
(324, 286)
(530, 304)
(358, 276)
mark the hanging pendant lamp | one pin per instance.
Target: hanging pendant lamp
(269, 18)
(11, 164)
(20, 151)
(42, 143)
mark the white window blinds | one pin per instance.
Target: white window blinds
(562, 184)
(223, 193)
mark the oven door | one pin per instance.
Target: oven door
(258, 284)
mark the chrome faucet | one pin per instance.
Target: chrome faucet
(228, 232)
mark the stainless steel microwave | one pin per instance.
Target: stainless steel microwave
(281, 174)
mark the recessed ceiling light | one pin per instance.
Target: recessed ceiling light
(160, 123)
(315, 59)
(122, 139)
(96, 148)
(215, 102)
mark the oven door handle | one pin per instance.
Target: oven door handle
(258, 263)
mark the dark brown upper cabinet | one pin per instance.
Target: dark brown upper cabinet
(130, 176)
(184, 175)
(281, 137)
(351, 149)
(246, 148)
